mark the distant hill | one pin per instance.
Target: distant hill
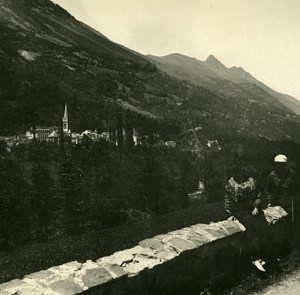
(207, 73)
(47, 57)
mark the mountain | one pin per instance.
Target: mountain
(209, 72)
(48, 58)
(62, 59)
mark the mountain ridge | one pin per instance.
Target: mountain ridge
(212, 68)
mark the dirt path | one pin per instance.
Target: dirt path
(289, 285)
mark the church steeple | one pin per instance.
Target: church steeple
(65, 119)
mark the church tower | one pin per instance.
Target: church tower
(65, 119)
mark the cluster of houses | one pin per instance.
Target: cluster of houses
(53, 134)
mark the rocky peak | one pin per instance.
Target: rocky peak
(213, 61)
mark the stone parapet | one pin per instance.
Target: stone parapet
(159, 265)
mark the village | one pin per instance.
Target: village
(55, 134)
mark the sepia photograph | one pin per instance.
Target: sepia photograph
(149, 147)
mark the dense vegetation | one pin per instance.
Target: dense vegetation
(48, 191)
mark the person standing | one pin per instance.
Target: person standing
(281, 190)
(242, 200)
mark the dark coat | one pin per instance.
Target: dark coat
(283, 191)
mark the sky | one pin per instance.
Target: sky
(262, 36)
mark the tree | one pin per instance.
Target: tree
(187, 179)
(69, 198)
(112, 132)
(30, 118)
(213, 182)
(120, 138)
(129, 129)
(41, 196)
(152, 181)
(14, 217)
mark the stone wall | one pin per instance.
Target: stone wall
(184, 261)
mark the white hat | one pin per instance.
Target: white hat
(280, 159)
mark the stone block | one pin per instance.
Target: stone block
(41, 275)
(166, 255)
(96, 276)
(199, 240)
(153, 243)
(233, 227)
(216, 233)
(180, 245)
(66, 268)
(115, 270)
(120, 257)
(13, 284)
(65, 287)
(30, 291)
(202, 231)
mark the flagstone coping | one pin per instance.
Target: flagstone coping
(74, 277)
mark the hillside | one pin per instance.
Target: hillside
(47, 57)
(208, 73)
